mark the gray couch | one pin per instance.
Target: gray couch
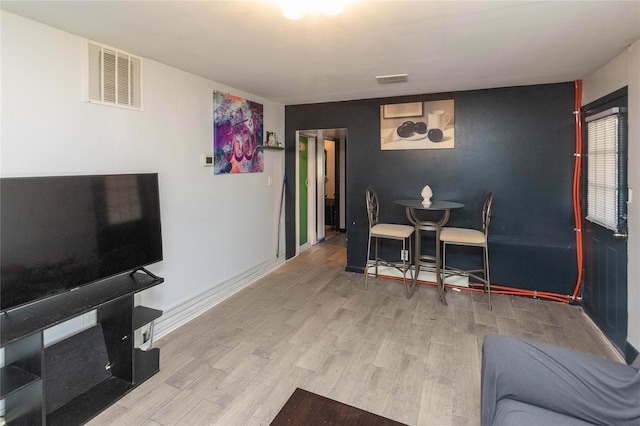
(530, 383)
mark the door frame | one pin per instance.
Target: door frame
(316, 165)
(291, 184)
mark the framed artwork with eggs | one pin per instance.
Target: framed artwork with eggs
(417, 125)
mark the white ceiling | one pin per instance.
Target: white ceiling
(442, 45)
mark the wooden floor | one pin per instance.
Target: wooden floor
(311, 325)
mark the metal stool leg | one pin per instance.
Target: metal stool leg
(486, 274)
(366, 265)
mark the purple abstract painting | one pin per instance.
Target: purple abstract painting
(237, 135)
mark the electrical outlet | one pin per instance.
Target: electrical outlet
(404, 255)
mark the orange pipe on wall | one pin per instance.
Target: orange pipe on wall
(576, 185)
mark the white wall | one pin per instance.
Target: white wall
(219, 232)
(624, 70)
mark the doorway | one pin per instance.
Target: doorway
(330, 190)
(320, 183)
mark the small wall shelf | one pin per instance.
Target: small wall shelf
(274, 148)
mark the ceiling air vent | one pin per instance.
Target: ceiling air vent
(396, 78)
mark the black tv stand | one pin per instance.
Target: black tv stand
(30, 368)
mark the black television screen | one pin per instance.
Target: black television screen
(62, 232)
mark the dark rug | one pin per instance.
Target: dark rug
(309, 409)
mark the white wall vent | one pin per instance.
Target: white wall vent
(395, 78)
(113, 77)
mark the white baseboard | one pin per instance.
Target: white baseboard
(426, 275)
(184, 312)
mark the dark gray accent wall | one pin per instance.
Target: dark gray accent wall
(517, 142)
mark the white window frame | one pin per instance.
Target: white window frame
(132, 98)
(604, 168)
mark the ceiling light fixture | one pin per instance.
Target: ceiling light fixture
(330, 7)
(296, 9)
(293, 10)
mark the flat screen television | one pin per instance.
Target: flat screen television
(62, 232)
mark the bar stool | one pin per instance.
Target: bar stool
(389, 231)
(470, 237)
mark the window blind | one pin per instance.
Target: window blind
(603, 169)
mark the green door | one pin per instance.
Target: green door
(303, 162)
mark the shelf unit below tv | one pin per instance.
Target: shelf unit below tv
(24, 376)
